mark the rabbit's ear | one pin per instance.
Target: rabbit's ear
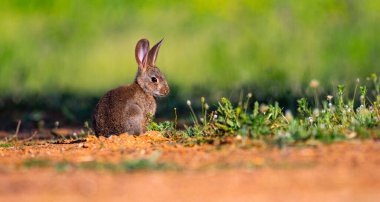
(152, 55)
(141, 51)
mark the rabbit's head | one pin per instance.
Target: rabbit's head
(149, 77)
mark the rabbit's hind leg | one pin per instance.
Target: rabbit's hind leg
(134, 120)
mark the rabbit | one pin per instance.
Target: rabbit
(127, 109)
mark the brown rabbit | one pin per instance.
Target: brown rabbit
(128, 108)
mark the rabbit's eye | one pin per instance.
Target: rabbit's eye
(154, 79)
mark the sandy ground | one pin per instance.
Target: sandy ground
(347, 171)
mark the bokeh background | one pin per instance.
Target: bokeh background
(58, 57)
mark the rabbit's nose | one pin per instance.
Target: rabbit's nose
(164, 91)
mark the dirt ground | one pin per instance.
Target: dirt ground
(237, 171)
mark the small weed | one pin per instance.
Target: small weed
(145, 164)
(36, 163)
(6, 145)
(63, 166)
(95, 165)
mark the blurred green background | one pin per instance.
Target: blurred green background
(272, 47)
(88, 46)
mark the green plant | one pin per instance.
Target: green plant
(332, 121)
(6, 145)
(36, 163)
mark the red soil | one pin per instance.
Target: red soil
(347, 171)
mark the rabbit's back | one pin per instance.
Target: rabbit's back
(123, 109)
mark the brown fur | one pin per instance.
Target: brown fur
(128, 108)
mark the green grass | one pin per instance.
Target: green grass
(6, 145)
(334, 118)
